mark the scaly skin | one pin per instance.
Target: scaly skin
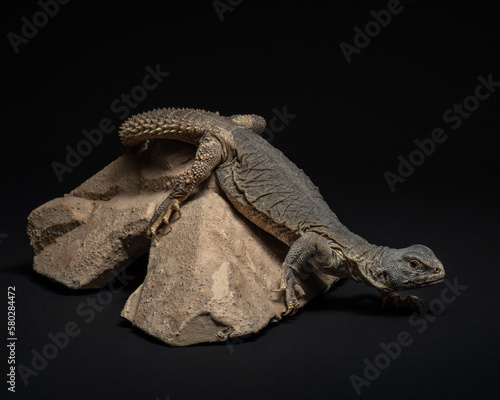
(277, 196)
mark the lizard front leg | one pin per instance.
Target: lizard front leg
(208, 156)
(308, 248)
(391, 299)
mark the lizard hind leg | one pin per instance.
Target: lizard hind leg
(208, 156)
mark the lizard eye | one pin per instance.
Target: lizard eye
(414, 263)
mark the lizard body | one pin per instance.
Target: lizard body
(276, 195)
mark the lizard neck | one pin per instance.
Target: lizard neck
(365, 266)
(362, 260)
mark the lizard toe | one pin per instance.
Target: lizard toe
(412, 302)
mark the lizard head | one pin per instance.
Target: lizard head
(411, 267)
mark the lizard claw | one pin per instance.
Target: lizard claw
(291, 309)
(412, 302)
(162, 216)
(176, 207)
(392, 300)
(293, 291)
(152, 232)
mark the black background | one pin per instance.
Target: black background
(352, 122)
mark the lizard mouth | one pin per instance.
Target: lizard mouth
(423, 282)
(435, 281)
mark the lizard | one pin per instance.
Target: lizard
(277, 196)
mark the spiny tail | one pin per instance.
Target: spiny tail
(187, 125)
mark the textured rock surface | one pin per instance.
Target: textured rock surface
(83, 239)
(210, 278)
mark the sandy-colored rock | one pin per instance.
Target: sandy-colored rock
(211, 278)
(84, 238)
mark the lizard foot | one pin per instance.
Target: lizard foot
(293, 291)
(162, 215)
(392, 300)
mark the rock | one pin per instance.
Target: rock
(212, 278)
(85, 238)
